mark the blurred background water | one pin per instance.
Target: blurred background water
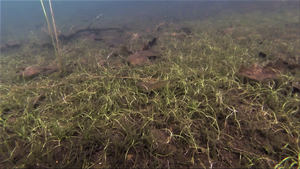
(21, 19)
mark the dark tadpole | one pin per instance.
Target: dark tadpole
(262, 55)
(150, 44)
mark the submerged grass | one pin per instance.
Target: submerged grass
(98, 117)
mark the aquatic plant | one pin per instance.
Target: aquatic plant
(56, 42)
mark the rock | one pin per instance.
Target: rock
(36, 70)
(270, 71)
(257, 72)
(141, 57)
(227, 31)
(12, 44)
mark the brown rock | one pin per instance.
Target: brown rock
(37, 70)
(258, 73)
(101, 62)
(270, 71)
(140, 58)
(227, 31)
(31, 71)
(12, 44)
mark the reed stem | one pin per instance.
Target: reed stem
(55, 44)
(56, 37)
(49, 27)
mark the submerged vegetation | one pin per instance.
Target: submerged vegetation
(201, 96)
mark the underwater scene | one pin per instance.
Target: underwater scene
(149, 84)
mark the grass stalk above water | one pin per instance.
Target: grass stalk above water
(56, 42)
